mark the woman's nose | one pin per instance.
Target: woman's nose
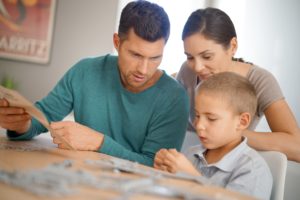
(199, 66)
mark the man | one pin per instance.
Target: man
(123, 106)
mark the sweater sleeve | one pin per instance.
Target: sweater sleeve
(55, 106)
(166, 130)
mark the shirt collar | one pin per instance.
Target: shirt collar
(228, 162)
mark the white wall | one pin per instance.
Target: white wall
(268, 33)
(81, 29)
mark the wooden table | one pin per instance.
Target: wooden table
(42, 153)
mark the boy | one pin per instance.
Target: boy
(225, 104)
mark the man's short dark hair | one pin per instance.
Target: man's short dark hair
(148, 20)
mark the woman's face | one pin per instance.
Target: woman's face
(206, 57)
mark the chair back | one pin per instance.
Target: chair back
(277, 162)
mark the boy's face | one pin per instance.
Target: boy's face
(217, 126)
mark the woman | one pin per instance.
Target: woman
(210, 43)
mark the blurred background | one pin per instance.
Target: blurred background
(268, 34)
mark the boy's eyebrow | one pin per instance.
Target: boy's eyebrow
(206, 113)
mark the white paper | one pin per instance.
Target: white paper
(15, 99)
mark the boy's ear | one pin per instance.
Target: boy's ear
(245, 119)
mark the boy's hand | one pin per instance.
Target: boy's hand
(159, 160)
(180, 163)
(173, 161)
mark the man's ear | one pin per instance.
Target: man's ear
(245, 119)
(116, 41)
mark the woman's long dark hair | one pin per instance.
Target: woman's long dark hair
(213, 24)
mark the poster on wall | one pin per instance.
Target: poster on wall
(26, 28)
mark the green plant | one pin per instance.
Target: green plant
(8, 83)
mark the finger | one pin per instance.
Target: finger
(168, 162)
(156, 165)
(158, 161)
(3, 103)
(20, 126)
(164, 168)
(65, 146)
(170, 157)
(11, 111)
(14, 118)
(171, 169)
(57, 132)
(56, 140)
(61, 146)
(173, 151)
(162, 153)
(59, 125)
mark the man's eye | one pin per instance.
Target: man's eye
(136, 55)
(155, 59)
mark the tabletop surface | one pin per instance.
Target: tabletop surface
(37, 169)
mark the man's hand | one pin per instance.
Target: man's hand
(78, 136)
(14, 118)
(173, 161)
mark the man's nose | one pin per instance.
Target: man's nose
(143, 66)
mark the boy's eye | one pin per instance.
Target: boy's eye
(212, 119)
(189, 58)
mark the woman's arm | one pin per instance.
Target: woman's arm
(285, 135)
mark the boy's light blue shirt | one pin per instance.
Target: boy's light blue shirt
(242, 170)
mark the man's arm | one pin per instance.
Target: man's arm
(166, 129)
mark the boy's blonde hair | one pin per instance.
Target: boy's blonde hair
(232, 88)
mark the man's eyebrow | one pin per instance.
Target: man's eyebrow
(136, 53)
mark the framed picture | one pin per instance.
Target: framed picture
(26, 28)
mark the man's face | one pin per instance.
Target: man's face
(138, 61)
